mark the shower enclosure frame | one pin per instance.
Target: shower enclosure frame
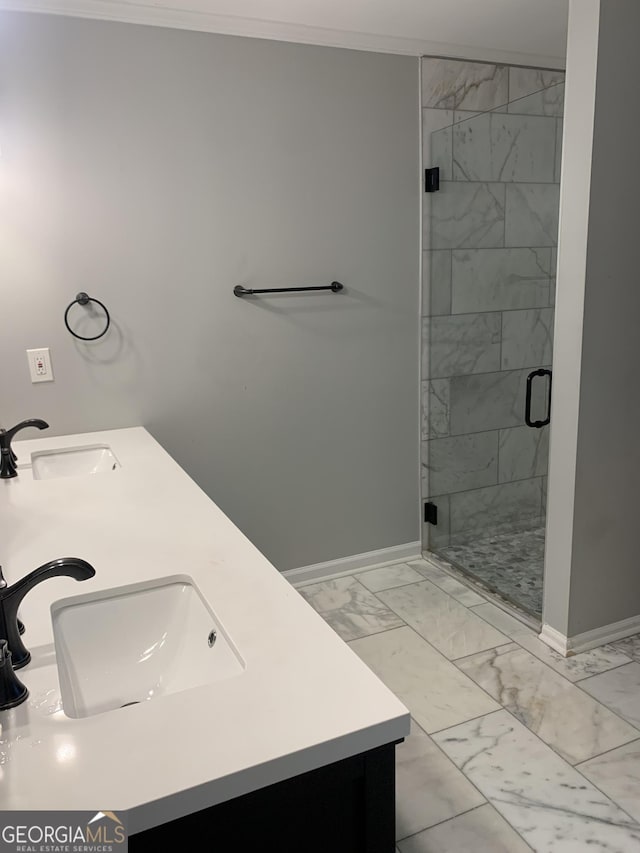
(489, 256)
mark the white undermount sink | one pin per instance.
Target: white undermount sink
(73, 461)
(134, 643)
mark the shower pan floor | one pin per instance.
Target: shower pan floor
(510, 564)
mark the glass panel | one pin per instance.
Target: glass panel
(490, 237)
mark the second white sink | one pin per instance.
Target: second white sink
(134, 643)
(73, 461)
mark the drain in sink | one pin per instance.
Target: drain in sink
(126, 704)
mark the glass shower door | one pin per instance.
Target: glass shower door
(487, 345)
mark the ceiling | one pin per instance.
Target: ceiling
(529, 32)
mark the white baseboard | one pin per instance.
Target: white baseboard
(568, 646)
(557, 641)
(347, 565)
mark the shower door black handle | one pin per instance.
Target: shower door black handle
(527, 405)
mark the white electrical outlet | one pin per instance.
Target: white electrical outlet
(40, 365)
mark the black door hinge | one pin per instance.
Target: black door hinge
(432, 180)
(430, 513)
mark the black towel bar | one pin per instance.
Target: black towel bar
(239, 290)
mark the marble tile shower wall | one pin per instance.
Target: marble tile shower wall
(489, 243)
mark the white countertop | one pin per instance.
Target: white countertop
(304, 699)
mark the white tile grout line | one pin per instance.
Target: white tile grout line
(446, 820)
(546, 665)
(508, 639)
(490, 649)
(526, 629)
(388, 588)
(535, 734)
(579, 684)
(466, 811)
(476, 586)
(611, 710)
(606, 752)
(579, 681)
(562, 758)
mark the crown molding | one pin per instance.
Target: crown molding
(210, 22)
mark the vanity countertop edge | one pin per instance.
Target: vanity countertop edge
(303, 701)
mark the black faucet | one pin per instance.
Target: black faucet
(8, 458)
(11, 596)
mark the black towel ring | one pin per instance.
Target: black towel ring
(84, 299)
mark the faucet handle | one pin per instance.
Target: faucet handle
(7, 464)
(12, 690)
(3, 585)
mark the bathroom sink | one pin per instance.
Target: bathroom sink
(73, 461)
(135, 643)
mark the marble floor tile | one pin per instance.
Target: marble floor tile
(576, 667)
(426, 562)
(617, 774)
(481, 830)
(388, 576)
(629, 646)
(451, 627)
(449, 585)
(619, 690)
(503, 621)
(551, 805)
(435, 691)
(548, 704)
(429, 787)
(350, 609)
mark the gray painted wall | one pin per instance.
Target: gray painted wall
(592, 570)
(156, 169)
(605, 585)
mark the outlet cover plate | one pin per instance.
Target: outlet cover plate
(40, 368)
